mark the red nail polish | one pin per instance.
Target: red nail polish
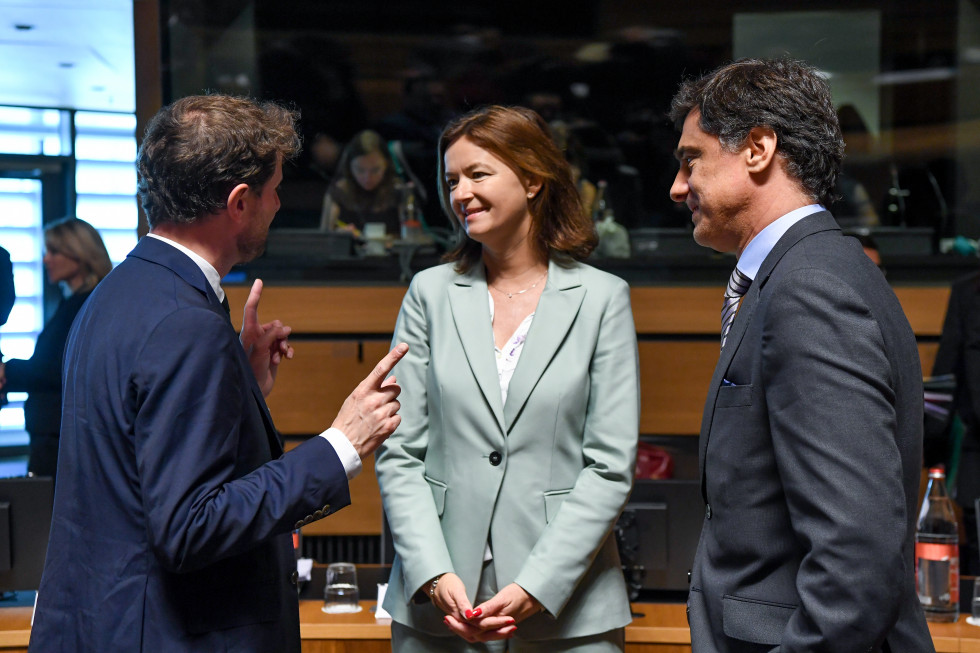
(478, 612)
(468, 613)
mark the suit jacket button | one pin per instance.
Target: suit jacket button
(688, 576)
(294, 577)
(326, 509)
(495, 458)
(707, 511)
(299, 524)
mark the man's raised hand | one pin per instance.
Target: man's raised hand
(370, 413)
(265, 344)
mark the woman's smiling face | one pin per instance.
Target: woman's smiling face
(489, 199)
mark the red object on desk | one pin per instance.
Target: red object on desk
(653, 462)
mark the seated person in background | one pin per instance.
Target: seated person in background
(76, 258)
(365, 189)
(572, 148)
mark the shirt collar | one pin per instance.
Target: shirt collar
(214, 279)
(759, 247)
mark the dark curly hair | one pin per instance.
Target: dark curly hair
(789, 97)
(197, 149)
(521, 139)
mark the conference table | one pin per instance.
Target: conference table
(656, 628)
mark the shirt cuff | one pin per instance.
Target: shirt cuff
(345, 451)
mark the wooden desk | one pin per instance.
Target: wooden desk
(15, 629)
(661, 628)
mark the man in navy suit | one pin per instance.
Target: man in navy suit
(175, 501)
(811, 439)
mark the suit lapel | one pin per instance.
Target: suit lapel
(556, 311)
(471, 315)
(156, 251)
(742, 319)
(809, 225)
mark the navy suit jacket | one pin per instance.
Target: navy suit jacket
(175, 501)
(810, 452)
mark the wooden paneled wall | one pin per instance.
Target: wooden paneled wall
(342, 331)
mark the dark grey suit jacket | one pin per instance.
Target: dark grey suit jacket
(810, 451)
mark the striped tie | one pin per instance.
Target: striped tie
(737, 285)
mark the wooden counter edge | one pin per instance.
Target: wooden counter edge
(381, 629)
(667, 626)
(657, 635)
(15, 638)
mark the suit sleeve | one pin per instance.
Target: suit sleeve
(828, 388)
(42, 371)
(7, 293)
(202, 449)
(572, 539)
(408, 500)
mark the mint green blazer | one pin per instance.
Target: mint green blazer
(543, 476)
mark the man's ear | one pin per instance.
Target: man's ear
(760, 150)
(238, 200)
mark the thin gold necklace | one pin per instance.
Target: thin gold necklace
(510, 295)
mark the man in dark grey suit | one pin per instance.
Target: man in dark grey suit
(811, 439)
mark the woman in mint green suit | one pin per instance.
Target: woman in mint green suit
(520, 411)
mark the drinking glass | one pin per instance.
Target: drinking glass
(340, 594)
(975, 604)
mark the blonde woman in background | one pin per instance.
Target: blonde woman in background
(76, 258)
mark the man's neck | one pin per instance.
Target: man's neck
(207, 238)
(769, 207)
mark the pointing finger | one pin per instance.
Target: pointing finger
(252, 303)
(383, 368)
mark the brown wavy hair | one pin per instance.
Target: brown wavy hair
(521, 139)
(201, 146)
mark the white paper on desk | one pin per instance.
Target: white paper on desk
(304, 568)
(379, 612)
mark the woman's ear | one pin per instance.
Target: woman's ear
(532, 185)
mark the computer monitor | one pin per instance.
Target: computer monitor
(25, 522)
(658, 534)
